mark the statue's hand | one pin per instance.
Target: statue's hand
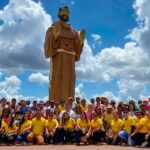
(56, 29)
(82, 36)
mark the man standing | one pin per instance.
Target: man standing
(64, 46)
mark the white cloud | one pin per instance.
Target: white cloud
(10, 87)
(22, 35)
(79, 90)
(38, 77)
(141, 34)
(129, 65)
(113, 62)
(128, 88)
(96, 37)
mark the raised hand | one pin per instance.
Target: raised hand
(56, 29)
(82, 36)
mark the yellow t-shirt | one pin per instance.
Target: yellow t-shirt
(116, 125)
(108, 117)
(84, 108)
(83, 123)
(96, 123)
(61, 107)
(148, 123)
(25, 125)
(38, 126)
(128, 123)
(3, 123)
(8, 129)
(143, 122)
(51, 124)
(70, 124)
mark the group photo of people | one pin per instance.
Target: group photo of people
(75, 121)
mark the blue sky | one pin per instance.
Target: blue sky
(112, 61)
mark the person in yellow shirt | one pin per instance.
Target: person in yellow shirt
(51, 125)
(128, 127)
(24, 129)
(62, 105)
(1, 124)
(115, 127)
(38, 128)
(84, 106)
(66, 129)
(108, 117)
(97, 129)
(9, 130)
(147, 136)
(141, 129)
(83, 129)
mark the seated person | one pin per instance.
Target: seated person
(128, 127)
(38, 128)
(51, 125)
(115, 127)
(83, 129)
(24, 129)
(66, 129)
(140, 131)
(9, 130)
(97, 129)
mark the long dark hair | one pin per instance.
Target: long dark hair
(85, 116)
(98, 113)
(6, 112)
(63, 120)
(11, 122)
(22, 120)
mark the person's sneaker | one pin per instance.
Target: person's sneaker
(144, 144)
(24, 143)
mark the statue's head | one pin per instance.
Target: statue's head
(64, 13)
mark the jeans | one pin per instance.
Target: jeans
(79, 134)
(62, 135)
(138, 138)
(97, 136)
(47, 138)
(124, 136)
(8, 139)
(22, 137)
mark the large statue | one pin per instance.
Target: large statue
(64, 46)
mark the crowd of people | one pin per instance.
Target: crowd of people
(75, 121)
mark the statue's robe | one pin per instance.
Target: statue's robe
(62, 74)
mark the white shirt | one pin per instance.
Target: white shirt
(71, 113)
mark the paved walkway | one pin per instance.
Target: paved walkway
(70, 147)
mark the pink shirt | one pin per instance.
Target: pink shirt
(89, 114)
